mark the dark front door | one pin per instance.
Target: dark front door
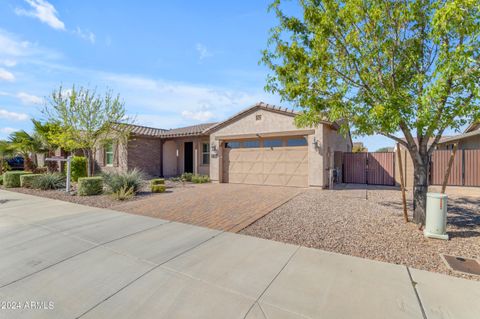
(188, 157)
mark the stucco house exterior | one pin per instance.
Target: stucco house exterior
(259, 145)
(470, 139)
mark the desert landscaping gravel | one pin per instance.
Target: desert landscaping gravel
(369, 224)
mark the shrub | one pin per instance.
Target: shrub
(90, 186)
(159, 188)
(40, 170)
(49, 181)
(200, 179)
(78, 167)
(131, 179)
(12, 178)
(28, 179)
(186, 177)
(124, 193)
(1, 179)
(157, 181)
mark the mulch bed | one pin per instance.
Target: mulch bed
(370, 224)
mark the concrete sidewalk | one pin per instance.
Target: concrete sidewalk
(62, 260)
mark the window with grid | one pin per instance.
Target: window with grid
(205, 153)
(109, 154)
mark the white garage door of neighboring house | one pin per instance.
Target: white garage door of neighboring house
(273, 161)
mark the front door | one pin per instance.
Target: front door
(188, 157)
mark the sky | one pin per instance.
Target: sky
(174, 63)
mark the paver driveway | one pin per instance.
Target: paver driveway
(62, 260)
(229, 207)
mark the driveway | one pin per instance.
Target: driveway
(229, 207)
(63, 260)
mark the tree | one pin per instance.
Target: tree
(388, 66)
(385, 149)
(6, 152)
(28, 146)
(358, 147)
(47, 133)
(86, 119)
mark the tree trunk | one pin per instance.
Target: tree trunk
(421, 169)
(88, 156)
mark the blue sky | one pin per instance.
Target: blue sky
(175, 63)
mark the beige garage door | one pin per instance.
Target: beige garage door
(281, 161)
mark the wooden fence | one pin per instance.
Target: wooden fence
(369, 168)
(465, 168)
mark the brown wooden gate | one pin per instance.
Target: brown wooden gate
(355, 168)
(381, 168)
(369, 168)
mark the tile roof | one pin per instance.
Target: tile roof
(187, 131)
(177, 132)
(143, 130)
(259, 105)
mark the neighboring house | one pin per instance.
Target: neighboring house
(260, 145)
(470, 139)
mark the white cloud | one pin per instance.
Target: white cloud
(43, 11)
(29, 98)
(8, 62)
(201, 116)
(203, 52)
(13, 50)
(7, 130)
(173, 98)
(14, 116)
(6, 75)
(86, 35)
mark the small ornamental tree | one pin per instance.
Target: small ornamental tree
(387, 66)
(86, 118)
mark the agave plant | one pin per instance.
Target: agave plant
(49, 181)
(116, 181)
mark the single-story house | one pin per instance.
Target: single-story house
(259, 145)
(470, 139)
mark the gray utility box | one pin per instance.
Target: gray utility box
(436, 219)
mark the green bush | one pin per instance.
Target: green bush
(78, 167)
(28, 179)
(200, 179)
(186, 177)
(12, 178)
(90, 186)
(49, 181)
(157, 181)
(131, 179)
(124, 193)
(158, 188)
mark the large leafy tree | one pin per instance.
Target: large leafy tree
(390, 67)
(86, 119)
(27, 145)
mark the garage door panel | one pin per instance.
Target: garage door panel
(297, 180)
(282, 166)
(274, 179)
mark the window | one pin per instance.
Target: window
(251, 144)
(205, 153)
(109, 154)
(258, 117)
(233, 145)
(272, 143)
(301, 141)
